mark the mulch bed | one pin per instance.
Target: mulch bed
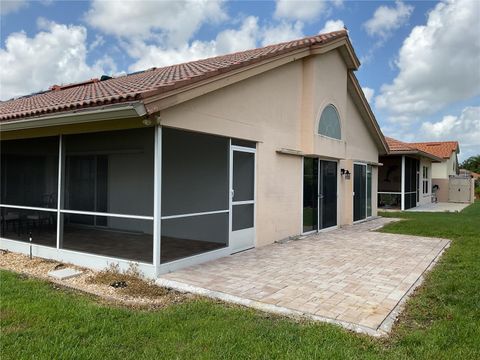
(124, 288)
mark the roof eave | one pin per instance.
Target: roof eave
(100, 113)
(355, 89)
(415, 152)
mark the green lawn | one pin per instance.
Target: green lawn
(41, 321)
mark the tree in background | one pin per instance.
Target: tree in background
(472, 164)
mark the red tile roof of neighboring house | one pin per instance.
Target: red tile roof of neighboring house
(154, 81)
(398, 146)
(442, 149)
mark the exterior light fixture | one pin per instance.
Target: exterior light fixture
(345, 173)
(147, 122)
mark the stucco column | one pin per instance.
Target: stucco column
(345, 194)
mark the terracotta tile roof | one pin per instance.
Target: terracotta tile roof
(139, 85)
(442, 149)
(398, 146)
(435, 150)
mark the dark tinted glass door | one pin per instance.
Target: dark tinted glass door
(310, 194)
(328, 194)
(360, 193)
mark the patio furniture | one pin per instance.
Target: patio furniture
(10, 218)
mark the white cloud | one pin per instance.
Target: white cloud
(55, 55)
(248, 36)
(227, 41)
(172, 22)
(285, 31)
(332, 25)
(464, 128)
(11, 6)
(304, 10)
(387, 19)
(368, 92)
(438, 63)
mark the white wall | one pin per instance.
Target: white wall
(445, 168)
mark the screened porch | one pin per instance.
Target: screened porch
(113, 193)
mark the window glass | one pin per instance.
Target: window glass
(329, 124)
(425, 180)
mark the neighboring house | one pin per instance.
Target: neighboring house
(448, 151)
(442, 171)
(186, 163)
(405, 177)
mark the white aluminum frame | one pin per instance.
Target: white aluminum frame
(245, 202)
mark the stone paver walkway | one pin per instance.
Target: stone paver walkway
(351, 276)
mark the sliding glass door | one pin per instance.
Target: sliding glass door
(319, 194)
(362, 191)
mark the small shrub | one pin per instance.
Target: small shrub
(136, 284)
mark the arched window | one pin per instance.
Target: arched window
(329, 124)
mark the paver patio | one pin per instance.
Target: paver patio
(351, 276)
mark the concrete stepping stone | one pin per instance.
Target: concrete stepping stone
(64, 274)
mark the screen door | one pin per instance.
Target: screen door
(243, 198)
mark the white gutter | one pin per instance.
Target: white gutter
(100, 113)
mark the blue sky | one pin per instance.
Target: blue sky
(420, 60)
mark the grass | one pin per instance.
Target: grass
(39, 320)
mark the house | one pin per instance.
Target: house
(182, 164)
(442, 171)
(405, 179)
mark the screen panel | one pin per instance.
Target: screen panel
(130, 239)
(29, 172)
(195, 172)
(192, 235)
(19, 224)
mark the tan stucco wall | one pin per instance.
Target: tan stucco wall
(442, 192)
(280, 109)
(444, 169)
